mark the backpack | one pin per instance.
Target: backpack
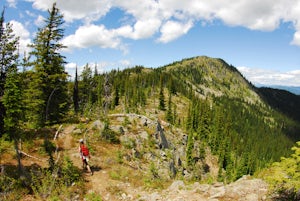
(84, 150)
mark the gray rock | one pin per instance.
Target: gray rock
(77, 131)
(176, 185)
(97, 125)
(144, 135)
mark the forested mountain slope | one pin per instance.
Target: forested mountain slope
(209, 100)
(283, 101)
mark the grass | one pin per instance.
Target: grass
(92, 197)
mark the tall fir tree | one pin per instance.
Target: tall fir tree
(75, 93)
(2, 78)
(12, 100)
(10, 88)
(162, 105)
(86, 87)
(49, 69)
(189, 149)
(8, 59)
(169, 114)
(116, 96)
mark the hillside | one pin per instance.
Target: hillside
(193, 124)
(282, 100)
(213, 77)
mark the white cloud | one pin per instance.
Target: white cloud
(24, 35)
(92, 35)
(125, 63)
(42, 4)
(296, 39)
(89, 10)
(269, 77)
(172, 18)
(12, 3)
(71, 68)
(140, 30)
(172, 30)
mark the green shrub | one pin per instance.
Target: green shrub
(129, 143)
(119, 157)
(4, 146)
(109, 135)
(57, 183)
(11, 189)
(70, 173)
(154, 171)
(43, 183)
(284, 176)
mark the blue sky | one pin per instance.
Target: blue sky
(259, 37)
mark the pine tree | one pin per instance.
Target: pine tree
(189, 121)
(2, 77)
(169, 111)
(12, 100)
(116, 96)
(49, 68)
(162, 105)
(8, 59)
(75, 93)
(107, 94)
(86, 88)
(189, 149)
(34, 104)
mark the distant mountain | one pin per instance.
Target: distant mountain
(292, 89)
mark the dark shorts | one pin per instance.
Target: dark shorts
(84, 160)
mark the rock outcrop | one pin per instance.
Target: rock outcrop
(244, 189)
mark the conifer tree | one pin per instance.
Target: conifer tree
(75, 93)
(49, 68)
(107, 95)
(86, 87)
(12, 99)
(169, 111)
(189, 121)
(116, 96)
(189, 149)
(162, 105)
(8, 59)
(33, 102)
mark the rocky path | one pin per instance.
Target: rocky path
(100, 183)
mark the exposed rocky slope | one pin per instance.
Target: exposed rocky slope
(137, 160)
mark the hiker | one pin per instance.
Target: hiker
(85, 156)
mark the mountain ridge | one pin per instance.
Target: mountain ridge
(208, 73)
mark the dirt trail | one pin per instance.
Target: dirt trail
(100, 182)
